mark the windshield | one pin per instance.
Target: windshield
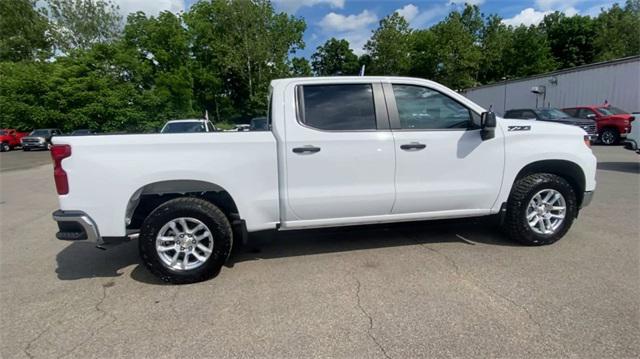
(551, 114)
(39, 133)
(259, 124)
(184, 127)
(610, 110)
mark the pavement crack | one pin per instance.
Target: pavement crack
(369, 317)
(485, 288)
(27, 348)
(104, 314)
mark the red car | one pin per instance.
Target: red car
(10, 138)
(613, 123)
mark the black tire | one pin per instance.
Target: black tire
(516, 225)
(609, 137)
(26, 149)
(207, 213)
(5, 147)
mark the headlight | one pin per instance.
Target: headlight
(40, 139)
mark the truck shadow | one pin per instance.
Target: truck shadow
(628, 167)
(82, 260)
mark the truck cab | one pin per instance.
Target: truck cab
(339, 151)
(613, 123)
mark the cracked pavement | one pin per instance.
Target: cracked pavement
(437, 289)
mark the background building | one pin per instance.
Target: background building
(616, 81)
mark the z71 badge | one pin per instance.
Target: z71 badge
(519, 128)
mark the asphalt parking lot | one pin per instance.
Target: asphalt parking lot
(440, 289)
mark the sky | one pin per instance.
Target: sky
(354, 20)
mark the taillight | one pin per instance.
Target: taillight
(58, 153)
(587, 142)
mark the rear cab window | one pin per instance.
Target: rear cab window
(337, 107)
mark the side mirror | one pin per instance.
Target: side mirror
(488, 125)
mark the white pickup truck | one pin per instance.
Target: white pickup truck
(340, 151)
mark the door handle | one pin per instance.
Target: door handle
(413, 146)
(306, 150)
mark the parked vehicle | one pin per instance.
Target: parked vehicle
(633, 138)
(242, 128)
(555, 115)
(613, 123)
(188, 126)
(83, 132)
(259, 124)
(341, 151)
(39, 139)
(10, 139)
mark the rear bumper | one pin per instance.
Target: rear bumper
(586, 198)
(76, 225)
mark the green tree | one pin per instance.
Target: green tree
(529, 54)
(161, 46)
(496, 39)
(243, 44)
(300, 67)
(452, 46)
(390, 47)
(334, 58)
(618, 31)
(570, 38)
(23, 31)
(78, 24)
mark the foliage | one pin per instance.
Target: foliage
(300, 67)
(79, 24)
(389, 46)
(334, 58)
(618, 31)
(23, 31)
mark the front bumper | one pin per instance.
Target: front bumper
(586, 198)
(34, 145)
(76, 225)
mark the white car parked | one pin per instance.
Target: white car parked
(340, 151)
(188, 126)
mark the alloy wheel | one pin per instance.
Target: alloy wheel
(184, 243)
(546, 211)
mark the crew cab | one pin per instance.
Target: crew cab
(10, 139)
(613, 123)
(555, 115)
(339, 151)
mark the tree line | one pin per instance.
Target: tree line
(78, 64)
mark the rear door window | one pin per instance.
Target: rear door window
(348, 107)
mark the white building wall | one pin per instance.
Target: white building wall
(616, 81)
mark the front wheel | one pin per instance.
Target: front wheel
(540, 209)
(185, 240)
(609, 136)
(5, 147)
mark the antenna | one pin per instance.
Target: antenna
(362, 71)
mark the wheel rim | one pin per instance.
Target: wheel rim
(608, 137)
(184, 243)
(546, 211)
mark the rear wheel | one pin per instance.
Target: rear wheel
(609, 136)
(540, 209)
(185, 240)
(4, 147)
